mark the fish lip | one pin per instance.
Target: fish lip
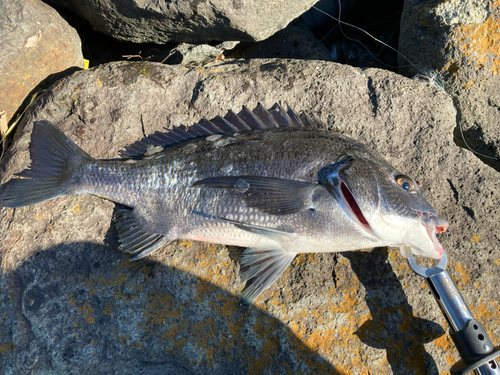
(354, 210)
(433, 224)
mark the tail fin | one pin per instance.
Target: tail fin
(54, 159)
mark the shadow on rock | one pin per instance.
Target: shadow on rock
(474, 137)
(85, 306)
(393, 327)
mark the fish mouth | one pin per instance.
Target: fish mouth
(433, 224)
(353, 209)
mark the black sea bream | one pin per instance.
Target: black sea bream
(272, 181)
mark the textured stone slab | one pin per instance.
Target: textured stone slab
(72, 300)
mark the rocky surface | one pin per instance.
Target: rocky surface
(188, 21)
(192, 53)
(460, 42)
(37, 45)
(72, 300)
(296, 41)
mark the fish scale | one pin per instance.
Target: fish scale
(269, 180)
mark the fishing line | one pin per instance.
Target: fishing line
(477, 153)
(424, 74)
(340, 22)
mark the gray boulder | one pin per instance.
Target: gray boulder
(73, 301)
(459, 42)
(37, 44)
(296, 41)
(187, 21)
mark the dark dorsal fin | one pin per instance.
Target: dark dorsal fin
(246, 120)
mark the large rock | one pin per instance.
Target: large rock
(197, 21)
(37, 44)
(460, 42)
(72, 301)
(296, 41)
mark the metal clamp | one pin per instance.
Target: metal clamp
(471, 339)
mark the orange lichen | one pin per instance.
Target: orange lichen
(107, 310)
(75, 208)
(305, 258)
(475, 238)
(161, 308)
(484, 312)
(6, 348)
(487, 311)
(187, 244)
(465, 277)
(468, 85)
(446, 345)
(480, 43)
(39, 217)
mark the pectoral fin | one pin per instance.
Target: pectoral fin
(275, 196)
(132, 237)
(263, 267)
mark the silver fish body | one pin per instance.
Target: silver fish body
(278, 187)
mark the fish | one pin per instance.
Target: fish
(269, 180)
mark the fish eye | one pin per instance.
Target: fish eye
(406, 183)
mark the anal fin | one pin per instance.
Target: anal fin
(132, 237)
(263, 267)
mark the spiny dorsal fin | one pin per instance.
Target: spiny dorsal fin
(246, 120)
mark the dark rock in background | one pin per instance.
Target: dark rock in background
(296, 41)
(37, 45)
(349, 42)
(187, 21)
(73, 301)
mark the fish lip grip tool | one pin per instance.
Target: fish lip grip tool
(471, 339)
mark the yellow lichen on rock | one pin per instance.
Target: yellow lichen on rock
(480, 43)
(76, 208)
(465, 277)
(445, 344)
(468, 85)
(6, 348)
(187, 244)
